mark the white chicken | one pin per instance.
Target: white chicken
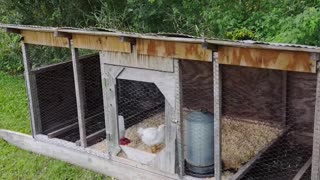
(152, 137)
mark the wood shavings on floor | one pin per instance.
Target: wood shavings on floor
(241, 140)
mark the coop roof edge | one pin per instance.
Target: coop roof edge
(164, 37)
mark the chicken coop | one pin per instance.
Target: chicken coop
(172, 106)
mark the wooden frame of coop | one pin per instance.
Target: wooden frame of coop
(155, 59)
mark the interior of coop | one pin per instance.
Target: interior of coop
(257, 105)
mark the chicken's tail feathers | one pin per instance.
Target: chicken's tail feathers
(140, 131)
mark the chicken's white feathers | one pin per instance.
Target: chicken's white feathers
(152, 136)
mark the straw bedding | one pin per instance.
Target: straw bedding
(241, 140)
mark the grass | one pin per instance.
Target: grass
(19, 164)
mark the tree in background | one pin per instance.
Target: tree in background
(286, 21)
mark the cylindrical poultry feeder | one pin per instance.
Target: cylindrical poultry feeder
(200, 144)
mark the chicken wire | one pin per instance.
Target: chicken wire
(267, 118)
(57, 99)
(138, 101)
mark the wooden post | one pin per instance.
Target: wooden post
(217, 116)
(30, 79)
(315, 174)
(178, 109)
(77, 72)
(109, 81)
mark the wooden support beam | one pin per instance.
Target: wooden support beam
(304, 168)
(179, 117)
(103, 43)
(269, 59)
(135, 60)
(93, 136)
(31, 85)
(315, 174)
(71, 126)
(63, 130)
(179, 50)
(217, 116)
(77, 71)
(44, 38)
(110, 74)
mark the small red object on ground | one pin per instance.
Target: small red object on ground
(124, 141)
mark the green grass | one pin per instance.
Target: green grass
(19, 164)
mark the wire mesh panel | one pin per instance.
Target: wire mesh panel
(198, 118)
(57, 100)
(142, 106)
(267, 121)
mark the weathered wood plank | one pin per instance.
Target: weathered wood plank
(32, 91)
(165, 160)
(178, 118)
(191, 51)
(139, 61)
(83, 158)
(217, 117)
(79, 89)
(303, 170)
(104, 43)
(44, 38)
(315, 173)
(111, 107)
(270, 59)
(163, 80)
(93, 136)
(70, 127)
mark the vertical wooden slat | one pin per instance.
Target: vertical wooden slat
(315, 174)
(32, 92)
(77, 72)
(217, 116)
(178, 109)
(110, 74)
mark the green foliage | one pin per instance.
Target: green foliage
(10, 55)
(289, 21)
(241, 34)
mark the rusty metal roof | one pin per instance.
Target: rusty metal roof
(167, 37)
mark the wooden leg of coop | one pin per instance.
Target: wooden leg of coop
(178, 108)
(79, 93)
(217, 116)
(32, 92)
(315, 174)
